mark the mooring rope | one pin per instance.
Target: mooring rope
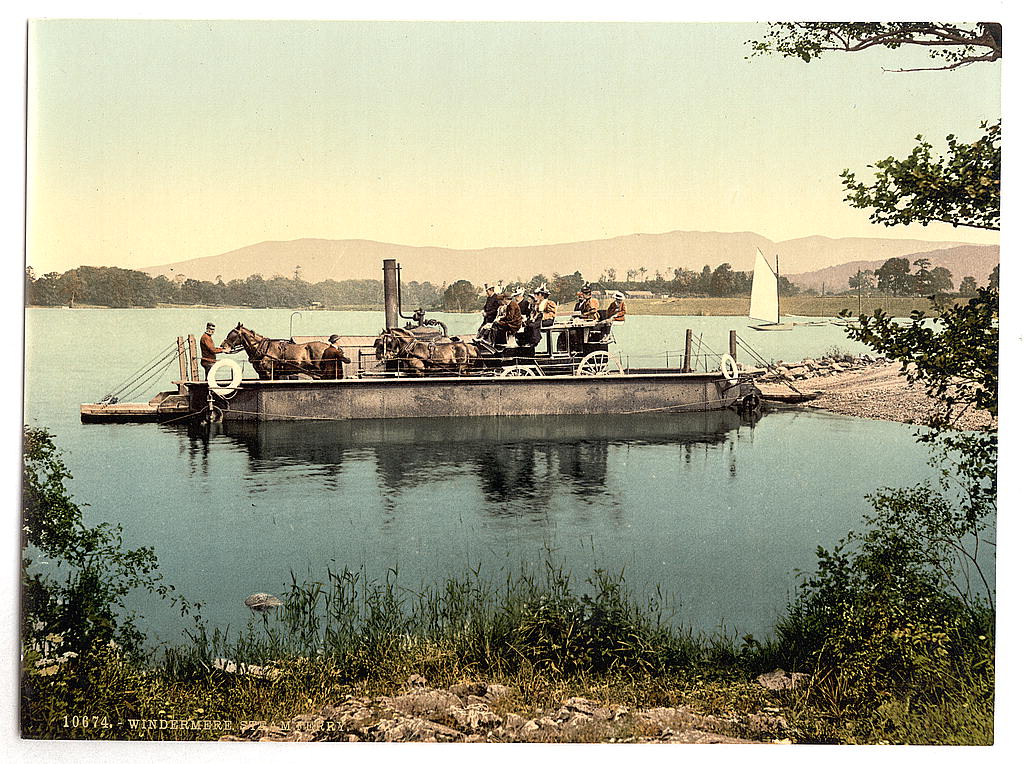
(764, 362)
(159, 362)
(145, 381)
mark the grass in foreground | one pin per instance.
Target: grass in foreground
(548, 640)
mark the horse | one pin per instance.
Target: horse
(420, 355)
(271, 358)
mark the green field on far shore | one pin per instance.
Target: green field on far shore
(801, 305)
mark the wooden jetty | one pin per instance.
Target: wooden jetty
(164, 406)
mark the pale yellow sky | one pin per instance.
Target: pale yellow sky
(152, 142)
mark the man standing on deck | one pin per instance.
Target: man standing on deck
(332, 363)
(491, 305)
(209, 350)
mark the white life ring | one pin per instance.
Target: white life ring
(728, 366)
(231, 385)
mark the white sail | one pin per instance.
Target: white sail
(764, 291)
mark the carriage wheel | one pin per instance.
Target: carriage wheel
(596, 364)
(518, 371)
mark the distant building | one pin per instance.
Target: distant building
(640, 294)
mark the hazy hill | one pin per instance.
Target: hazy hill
(341, 259)
(969, 260)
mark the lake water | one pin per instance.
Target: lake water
(716, 511)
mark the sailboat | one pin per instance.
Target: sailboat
(764, 296)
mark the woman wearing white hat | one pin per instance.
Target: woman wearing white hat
(616, 310)
(547, 307)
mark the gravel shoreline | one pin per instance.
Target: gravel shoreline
(867, 388)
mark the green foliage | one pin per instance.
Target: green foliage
(898, 620)
(862, 280)
(83, 608)
(565, 288)
(936, 281)
(969, 286)
(461, 297)
(956, 359)
(121, 288)
(887, 615)
(376, 630)
(960, 188)
(951, 45)
(894, 276)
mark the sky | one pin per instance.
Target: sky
(157, 141)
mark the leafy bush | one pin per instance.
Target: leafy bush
(74, 622)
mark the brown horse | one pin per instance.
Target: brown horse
(276, 358)
(422, 355)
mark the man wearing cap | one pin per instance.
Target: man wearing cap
(209, 350)
(332, 362)
(616, 310)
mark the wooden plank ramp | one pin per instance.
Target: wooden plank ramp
(163, 407)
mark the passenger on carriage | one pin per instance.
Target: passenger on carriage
(587, 305)
(547, 307)
(525, 302)
(532, 317)
(508, 321)
(616, 310)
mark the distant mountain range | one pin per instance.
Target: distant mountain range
(967, 260)
(807, 261)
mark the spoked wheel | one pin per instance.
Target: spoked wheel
(518, 371)
(598, 363)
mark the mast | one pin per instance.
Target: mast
(778, 300)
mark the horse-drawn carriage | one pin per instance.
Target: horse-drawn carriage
(570, 348)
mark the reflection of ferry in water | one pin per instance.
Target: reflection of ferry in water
(419, 371)
(523, 457)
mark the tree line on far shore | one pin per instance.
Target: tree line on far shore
(123, 288)
(722, 281)
(897, 277)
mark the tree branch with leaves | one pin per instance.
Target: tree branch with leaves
(950, 45)
(961, 187)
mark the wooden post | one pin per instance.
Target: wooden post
(732, 343)
(182, 366)
(193, 355)
(686, 355)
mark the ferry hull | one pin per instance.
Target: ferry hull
(417, 397)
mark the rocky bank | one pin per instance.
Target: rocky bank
(476, 712)
(861, 386)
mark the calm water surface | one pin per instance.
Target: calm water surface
(716, 511)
